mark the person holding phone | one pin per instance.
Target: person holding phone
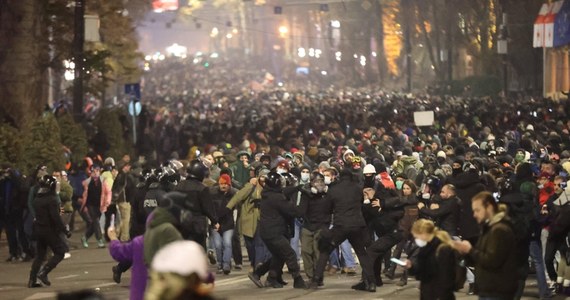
(435, 263)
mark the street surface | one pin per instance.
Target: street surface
(91, 269)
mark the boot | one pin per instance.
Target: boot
(315, 283)
(255, 278)
(389, 272)
(299, 283)
(32, 283)
(100, 243)
(84, 242)
(272, 282)
(43, 275)
(281, 281)
(369, 286)
(361, 286)
(471, 289)
(403, 280)
(116, 274)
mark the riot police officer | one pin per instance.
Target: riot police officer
(46, 229)
(198, 203)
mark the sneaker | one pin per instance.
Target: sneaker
(350, 271)
(220, 271)
(84, 242)
(12, 259)
(238, 267)
(212, 257)
(255, 278)
(333, 270)
(227, 271)
(66, 255)
(100, 243)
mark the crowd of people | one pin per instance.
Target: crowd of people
(306, 178)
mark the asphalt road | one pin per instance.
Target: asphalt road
(91, 269)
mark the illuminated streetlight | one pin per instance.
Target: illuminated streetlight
(283, 30)
(214, 32)
(229, 36)
(335, 24)
(235, 31)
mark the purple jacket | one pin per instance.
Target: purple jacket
(132, 252)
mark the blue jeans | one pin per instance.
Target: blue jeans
(295, 240)
(222, 243)
(346, 251)
(262, 254)
(536, 255)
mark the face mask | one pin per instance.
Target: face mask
(366, 201)
(368, 181)
(328, 180)
(541, 186)
(319, 189)
(421, 243)
(305, 177)
(281, 171)
(426, 196)
(399, 184)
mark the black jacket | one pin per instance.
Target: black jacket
(468, 184)
(197, 199)
(387, 219)
(277, 214)
(220, 200)
(47, 213)
(446, 216)
(316, 211)
(434, 266)
(346, 197)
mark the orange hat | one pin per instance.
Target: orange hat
(225, 179)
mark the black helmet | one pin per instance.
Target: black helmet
(169, 176)
(274, 180)
(47, 183)
(196, 170)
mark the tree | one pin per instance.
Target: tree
(108, 121)
(73, 137)
(22, 59)
(10, 145)
(42, 145)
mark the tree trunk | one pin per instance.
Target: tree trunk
(22, 77)
(379, 34)
(429, 47)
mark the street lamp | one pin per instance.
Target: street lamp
(283, 30)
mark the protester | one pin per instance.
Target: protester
(494, 255)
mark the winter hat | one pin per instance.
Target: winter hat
(441, 154)
(369, 169)
(284, 164)
(217, 154)
(225, 179)
(299, 156)
(109, 161)
(182, 258)
(346, 154)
